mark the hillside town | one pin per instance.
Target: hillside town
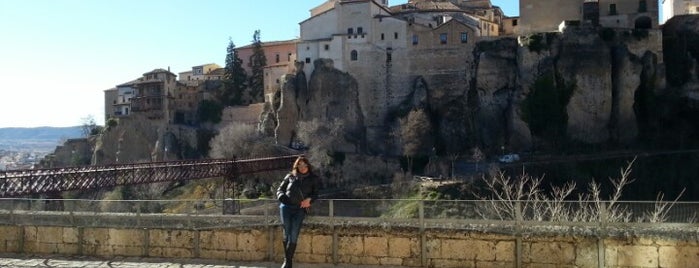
(369, 28)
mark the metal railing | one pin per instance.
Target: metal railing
(452, 214)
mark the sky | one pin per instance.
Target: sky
(58, 56)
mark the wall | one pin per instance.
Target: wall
(556, 11)
(355, 244)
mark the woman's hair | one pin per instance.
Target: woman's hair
(301, 159)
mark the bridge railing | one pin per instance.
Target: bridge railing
(507, 216)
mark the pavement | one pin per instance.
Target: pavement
(25, 261)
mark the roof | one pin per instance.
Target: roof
(157, 71)
(273, 43)
(130, 83)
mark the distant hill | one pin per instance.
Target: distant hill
(40, 133)
(36, 139)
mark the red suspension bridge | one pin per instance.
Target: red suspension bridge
(15, 183)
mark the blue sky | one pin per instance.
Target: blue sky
(58, 56)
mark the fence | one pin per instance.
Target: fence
(202, 214)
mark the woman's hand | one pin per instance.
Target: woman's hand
(306, 203)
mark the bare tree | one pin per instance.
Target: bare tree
(241, 141)
(321, 138)
(415, 132)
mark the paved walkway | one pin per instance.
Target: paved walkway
(25, 261)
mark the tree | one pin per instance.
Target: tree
(234, 78)
(415, 132)
(321, 138)
(88, 126)
(239, 140)
(209, 111)
(258, 61)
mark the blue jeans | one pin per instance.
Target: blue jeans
(292, 218)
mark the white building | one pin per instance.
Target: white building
(673, 8)
(341, 30)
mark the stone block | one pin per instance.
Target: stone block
(443, 263)
(390, 261)
(252, 241)
(170, 252)
(95, 236)
(322, 244)
(350, 245)
(70, 235)
(67, 249)
(30, 234)
(376, 246)
(212, 254)
(685, 256)
(126, 237)
(46, 248)
(245, 256)
(365, 260)
(9, 233)
(217, 240)
(53, 235)
(399, 247)
(170, 238)
(494, 264)
(586, 253)
(128, 251)
(505, 251)
(637, 256)
(312, 258)
(562, 253)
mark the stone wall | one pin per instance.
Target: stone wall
(347, 244)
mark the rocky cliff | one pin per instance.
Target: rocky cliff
(583, 86)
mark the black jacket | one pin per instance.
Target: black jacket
(295, 189)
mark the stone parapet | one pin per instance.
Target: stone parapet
(359, 245)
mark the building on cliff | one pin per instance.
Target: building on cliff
(280, 56)
(154, 94)
(199, 73)
(673, 8)
(626, 14)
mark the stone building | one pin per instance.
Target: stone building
(154, 94)
(673, 8)
(626, 14)
(110, 97)
(210, 71)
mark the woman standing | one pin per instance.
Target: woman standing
(296, 193)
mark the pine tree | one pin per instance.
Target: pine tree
(235, 77)
(258, 61)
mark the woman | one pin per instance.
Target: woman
(296, 193)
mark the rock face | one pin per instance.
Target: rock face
(515, 94)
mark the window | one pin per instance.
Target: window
(395, 35)
(389, 56)
(360, 30)
(288, 57)
(327, 47)
(612, 9)
(308, 60)
(353, 55)
(350, 31)
(514, 22)
(464, 37)
(642, 6)
(415, 39)
(276, 58)
(443, 38)
(382, 37)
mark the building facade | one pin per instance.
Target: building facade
(154, 94)
(203, 72)
(673, 8)
(626, 14)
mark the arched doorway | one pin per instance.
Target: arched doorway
(643, 22)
